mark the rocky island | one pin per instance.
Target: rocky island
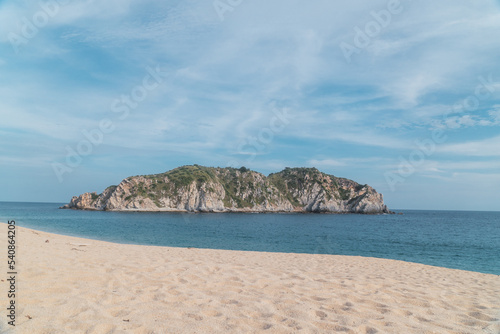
(209, 189)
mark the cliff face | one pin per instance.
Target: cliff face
(206, 189)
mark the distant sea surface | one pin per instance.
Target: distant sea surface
(454, 239)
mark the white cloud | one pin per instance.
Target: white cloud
(485, 147)
(327, 163)
(344, 162)
(453, 166)
(465, 121)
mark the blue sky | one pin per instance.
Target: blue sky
(351, 88)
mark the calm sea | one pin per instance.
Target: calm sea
(453, 239)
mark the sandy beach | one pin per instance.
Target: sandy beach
(74, 285)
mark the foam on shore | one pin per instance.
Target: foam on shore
(73, 285)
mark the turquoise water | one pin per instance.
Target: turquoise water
(453, 239)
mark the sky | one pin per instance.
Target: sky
(401, 95)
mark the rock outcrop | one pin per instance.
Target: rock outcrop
(207, 189)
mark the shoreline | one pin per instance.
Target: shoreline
(72, 284)
(90, 239)
(230, 211)
(132, 243)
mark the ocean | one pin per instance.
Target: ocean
(453, 239)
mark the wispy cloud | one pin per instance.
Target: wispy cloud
(486, 147)
(347, 162)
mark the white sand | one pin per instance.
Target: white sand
(73, 285)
